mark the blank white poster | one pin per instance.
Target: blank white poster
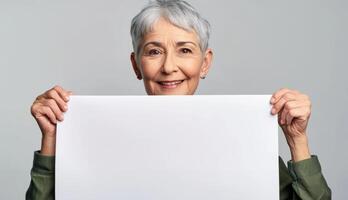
(198, 147)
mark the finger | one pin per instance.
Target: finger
(290, 105)
(290, 96)
(46, 111)
(289, 117)
(280, 103)
(63, 93)
(53, 94)
(278, 95)
(44, 122)
(301, 113)
(283, 115)
(54, 107)
(34, 108)
(38, 98)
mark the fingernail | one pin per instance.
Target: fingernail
(281, 121)
(67, 98)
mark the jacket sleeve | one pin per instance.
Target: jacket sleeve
(42, 178)
(303, 180)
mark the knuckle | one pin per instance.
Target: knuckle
(288, 96)
(296, 91)
(286, 90)
(38, 98)
(45, 109)
(57, 87)
(51, 102)
(41, 111)
(51, 93)
(33, 109)
(278, 93)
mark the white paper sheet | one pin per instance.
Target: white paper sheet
(214, 147)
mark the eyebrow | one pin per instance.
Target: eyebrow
(159, 44)
(182, 43)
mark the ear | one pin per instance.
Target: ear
(207, 60)
(135, 66)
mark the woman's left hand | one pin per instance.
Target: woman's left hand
(294, 110)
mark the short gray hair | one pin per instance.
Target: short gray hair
(177, 12)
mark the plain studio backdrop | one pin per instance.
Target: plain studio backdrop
(259, 47)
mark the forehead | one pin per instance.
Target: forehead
(163, 30)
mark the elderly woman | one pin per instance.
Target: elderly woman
(171, 55)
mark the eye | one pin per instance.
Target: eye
(154, 52)
(186, 50)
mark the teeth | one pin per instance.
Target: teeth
(170, 83)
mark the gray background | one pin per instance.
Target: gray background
(259, 46)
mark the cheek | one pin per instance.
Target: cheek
(150, 68)
(191, 68)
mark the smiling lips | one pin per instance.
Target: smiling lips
(170, 84)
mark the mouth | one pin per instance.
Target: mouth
(170, 84)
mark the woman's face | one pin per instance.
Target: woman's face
(170, 60)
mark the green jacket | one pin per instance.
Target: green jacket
(301, 180)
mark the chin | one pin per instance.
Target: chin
(174, 93)
(168, 92)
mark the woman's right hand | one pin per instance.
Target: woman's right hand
(47, 109)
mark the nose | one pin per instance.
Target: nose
(169, 64)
